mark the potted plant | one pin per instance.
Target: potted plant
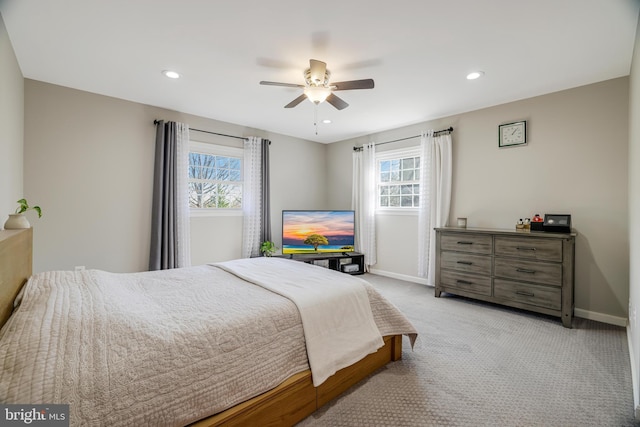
(17, 220)
(268, 248)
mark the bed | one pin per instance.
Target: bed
(126, 367)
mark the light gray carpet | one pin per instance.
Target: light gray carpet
(478, 364)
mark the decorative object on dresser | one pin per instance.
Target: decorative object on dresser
(522, 269)
(510, 134)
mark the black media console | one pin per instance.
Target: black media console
(336, 261)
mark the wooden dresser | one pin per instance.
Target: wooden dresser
(523, 269)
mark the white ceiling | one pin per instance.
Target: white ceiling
(417, 51)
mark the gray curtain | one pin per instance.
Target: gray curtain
(265, 232)
(164, 244)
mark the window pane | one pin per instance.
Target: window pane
(214, 181)
(222, 174)
(397, 180)
(222, 162)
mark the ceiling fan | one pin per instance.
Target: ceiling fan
(317, 87)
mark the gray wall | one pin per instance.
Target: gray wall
(11, 127)
(634, 224)
(89, 164)
(575, 162)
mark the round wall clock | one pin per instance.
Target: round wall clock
(512, 134)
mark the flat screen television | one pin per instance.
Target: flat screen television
(317, 231)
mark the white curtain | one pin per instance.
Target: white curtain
(435, 197)
(364, 202)
(252, 198)
(182, 196)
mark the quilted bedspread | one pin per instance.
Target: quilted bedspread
(156, 348)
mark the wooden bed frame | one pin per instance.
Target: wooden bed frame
(287, 404)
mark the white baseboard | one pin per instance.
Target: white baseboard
(600, 317)
(398, 276)
(634, 376)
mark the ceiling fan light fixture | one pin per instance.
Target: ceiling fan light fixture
(317, 94)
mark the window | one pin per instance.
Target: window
(398, 179)
(215, 178)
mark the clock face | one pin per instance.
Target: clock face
(513, 134)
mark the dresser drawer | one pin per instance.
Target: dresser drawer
(464, 242)
(464, 262)
(526, 293)
(529, 271)
(465, 282)
(529, 248)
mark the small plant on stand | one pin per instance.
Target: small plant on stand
(268, 248)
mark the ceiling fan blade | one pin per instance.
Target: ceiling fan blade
(353, 84)
(280, 84)
(317, 71)
(296, 101)
(337, 102)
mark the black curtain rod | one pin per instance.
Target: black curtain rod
(436, 133)
(155, 122)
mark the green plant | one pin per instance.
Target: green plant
(268, 248)
(24, 206)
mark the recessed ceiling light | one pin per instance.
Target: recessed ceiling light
(171, 74)
(326, 121)
(475, 75)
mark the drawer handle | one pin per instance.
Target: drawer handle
(464, 243)
(526, 294)
(524, 270)
(464, 282)
(465, 262)
(521, 248)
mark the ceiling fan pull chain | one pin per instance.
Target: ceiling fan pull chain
(315, 116)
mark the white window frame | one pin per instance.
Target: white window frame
(391, 155)
(218, 150)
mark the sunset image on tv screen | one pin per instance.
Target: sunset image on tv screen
(317, 231)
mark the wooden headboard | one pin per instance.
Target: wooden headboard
(16, 263)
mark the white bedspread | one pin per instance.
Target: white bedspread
(162, 348)
(336, 314)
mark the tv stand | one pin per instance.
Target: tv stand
(335, 260)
